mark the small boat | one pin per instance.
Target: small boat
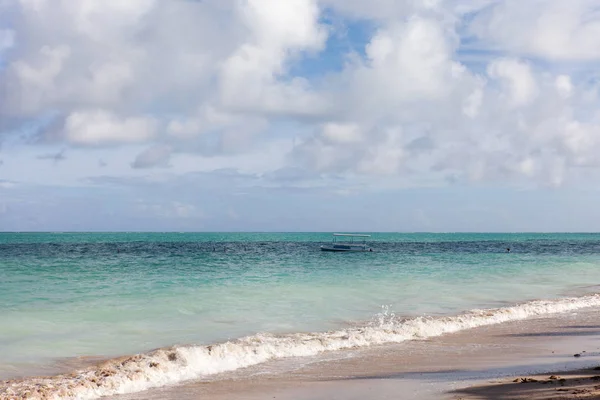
(347, 242)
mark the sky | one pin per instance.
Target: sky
(300, 115)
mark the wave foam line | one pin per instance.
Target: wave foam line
(176, 364)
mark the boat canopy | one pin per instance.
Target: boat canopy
(348, 245)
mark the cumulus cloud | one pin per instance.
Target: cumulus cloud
(342, 133)
(278, 30)
(549, 29)
(412, 59)
(406, 100)
(564, 85)
(521, 87)
(98, 127)
(111, 55)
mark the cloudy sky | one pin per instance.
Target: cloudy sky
(310, 115)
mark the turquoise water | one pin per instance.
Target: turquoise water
(109, 294)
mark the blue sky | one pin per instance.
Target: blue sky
(326, 115)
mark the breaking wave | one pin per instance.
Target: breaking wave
(176, 364)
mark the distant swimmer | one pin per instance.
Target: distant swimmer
(508, 249)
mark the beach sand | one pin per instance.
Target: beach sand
(583, 384)
(480, 363)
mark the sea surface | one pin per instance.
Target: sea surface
(198, 304)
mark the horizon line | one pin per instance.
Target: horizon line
(328, 232)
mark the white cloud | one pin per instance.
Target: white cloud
(404, 102)
(386, 158)
(520, 85)
(236, 133)
(552, 29)
(184, 128)
(564, 85)
(112, 54)
(472, 104)
(342, 133)
(106, 21)
(35, 79)
(278, 31)
(100, 127)
(412, 60)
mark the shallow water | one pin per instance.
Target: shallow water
(69, 295)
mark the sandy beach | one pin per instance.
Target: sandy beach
(529, 359)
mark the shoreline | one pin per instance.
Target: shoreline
(429, 366)
(480, 363)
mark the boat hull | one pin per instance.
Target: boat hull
(339, 248)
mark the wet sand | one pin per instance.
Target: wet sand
(582, 384)
(480, 363)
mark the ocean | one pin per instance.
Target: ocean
(164, 308)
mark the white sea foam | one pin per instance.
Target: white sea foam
(171, 365)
